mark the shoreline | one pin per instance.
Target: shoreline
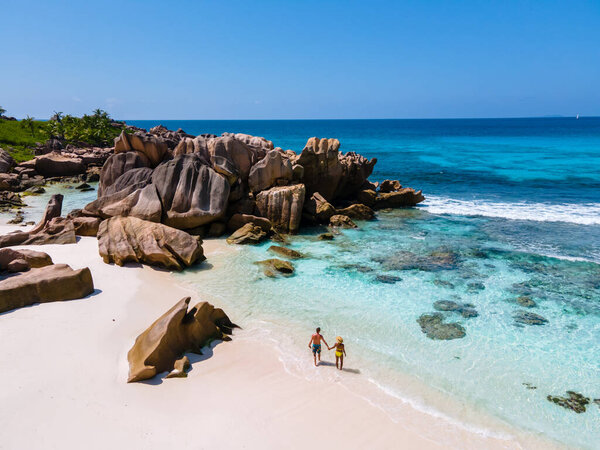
(238, 388)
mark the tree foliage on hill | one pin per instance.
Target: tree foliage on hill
(97, 129)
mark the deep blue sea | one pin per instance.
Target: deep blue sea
(513, 205)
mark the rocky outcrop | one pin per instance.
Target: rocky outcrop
(357, 211)
(6, 161)
(177, 331)
(529, 318)
(10, 182)
(248, 234)
(32, 258)
(273, 170)
(119, 164)
(232, 156)
(52, 229)
(282, 206)
(57, 165)
(86, 226)
(142, 203)
(401, 199)
(331, 174)
(285, 252)
(192, 193)
(45, 284)
(153, 147)
(318, 209)
(341, 221)
(129, 239)
(239, 220)
(389, 186)
(274, 267)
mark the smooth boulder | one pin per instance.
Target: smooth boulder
(51, 283)
(179, 330)
(6, 161)
(31, 257)
(129, 239)
(192, 193)
(273, 170)
(57, 165)
(248, 234)
(152, 146)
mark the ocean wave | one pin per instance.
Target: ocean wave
(582, 214)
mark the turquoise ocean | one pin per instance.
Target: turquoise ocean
(514, 204)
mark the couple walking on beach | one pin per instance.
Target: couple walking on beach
(340, 350)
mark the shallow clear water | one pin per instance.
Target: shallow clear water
(512, 209)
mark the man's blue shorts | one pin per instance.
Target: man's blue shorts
(316, 349)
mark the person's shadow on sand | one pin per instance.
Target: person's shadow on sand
(345, 369)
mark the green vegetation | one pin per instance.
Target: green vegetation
(19, 138)
(95, 129)
(19, 141)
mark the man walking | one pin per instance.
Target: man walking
(315, 344)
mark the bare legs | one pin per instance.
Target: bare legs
(339, 362)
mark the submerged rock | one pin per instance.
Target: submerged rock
(529, 318)
(443, 283)
(575, 401)
(325, 237)
(273, 267)
(286, 252)
(387, 279)
(446, 305)
(434, 327)
(50, 283)
(475, 287)
(405, 260)
(177, 331)
(526, 301)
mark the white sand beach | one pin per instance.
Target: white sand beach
(63, 371)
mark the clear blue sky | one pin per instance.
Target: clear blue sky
(277, 59)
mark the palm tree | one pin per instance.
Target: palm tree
(29, 123)
(2, 111)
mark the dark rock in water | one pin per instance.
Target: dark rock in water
(443, 283)
(474, 287)
(18, 218)
(435, 261)
(575, 402)
(467, 310)
(356, 267)
(526, 301)
(468, 313)
(342, 221)
(446, 305)
(387, 279)
(286, 252)
(529, 318)
(529, 386)
(434, 327)
(83, 187)
(325, 237)
(274, 267)
(597, 401)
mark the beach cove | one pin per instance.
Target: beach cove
(472, 262)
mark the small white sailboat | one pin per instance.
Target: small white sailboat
(577, 116)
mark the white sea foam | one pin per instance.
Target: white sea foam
(583, 213)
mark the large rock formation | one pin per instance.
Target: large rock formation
(119, 164)
(57, 165)
(129, 239)
(6, 161)
(282, 206)
(191, 192)
(331, 174)
(45, 284)
(177, 331)
(51, 229)
(274, 169)
(153, 147)
(32, 258)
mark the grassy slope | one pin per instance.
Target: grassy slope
(18, 141)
